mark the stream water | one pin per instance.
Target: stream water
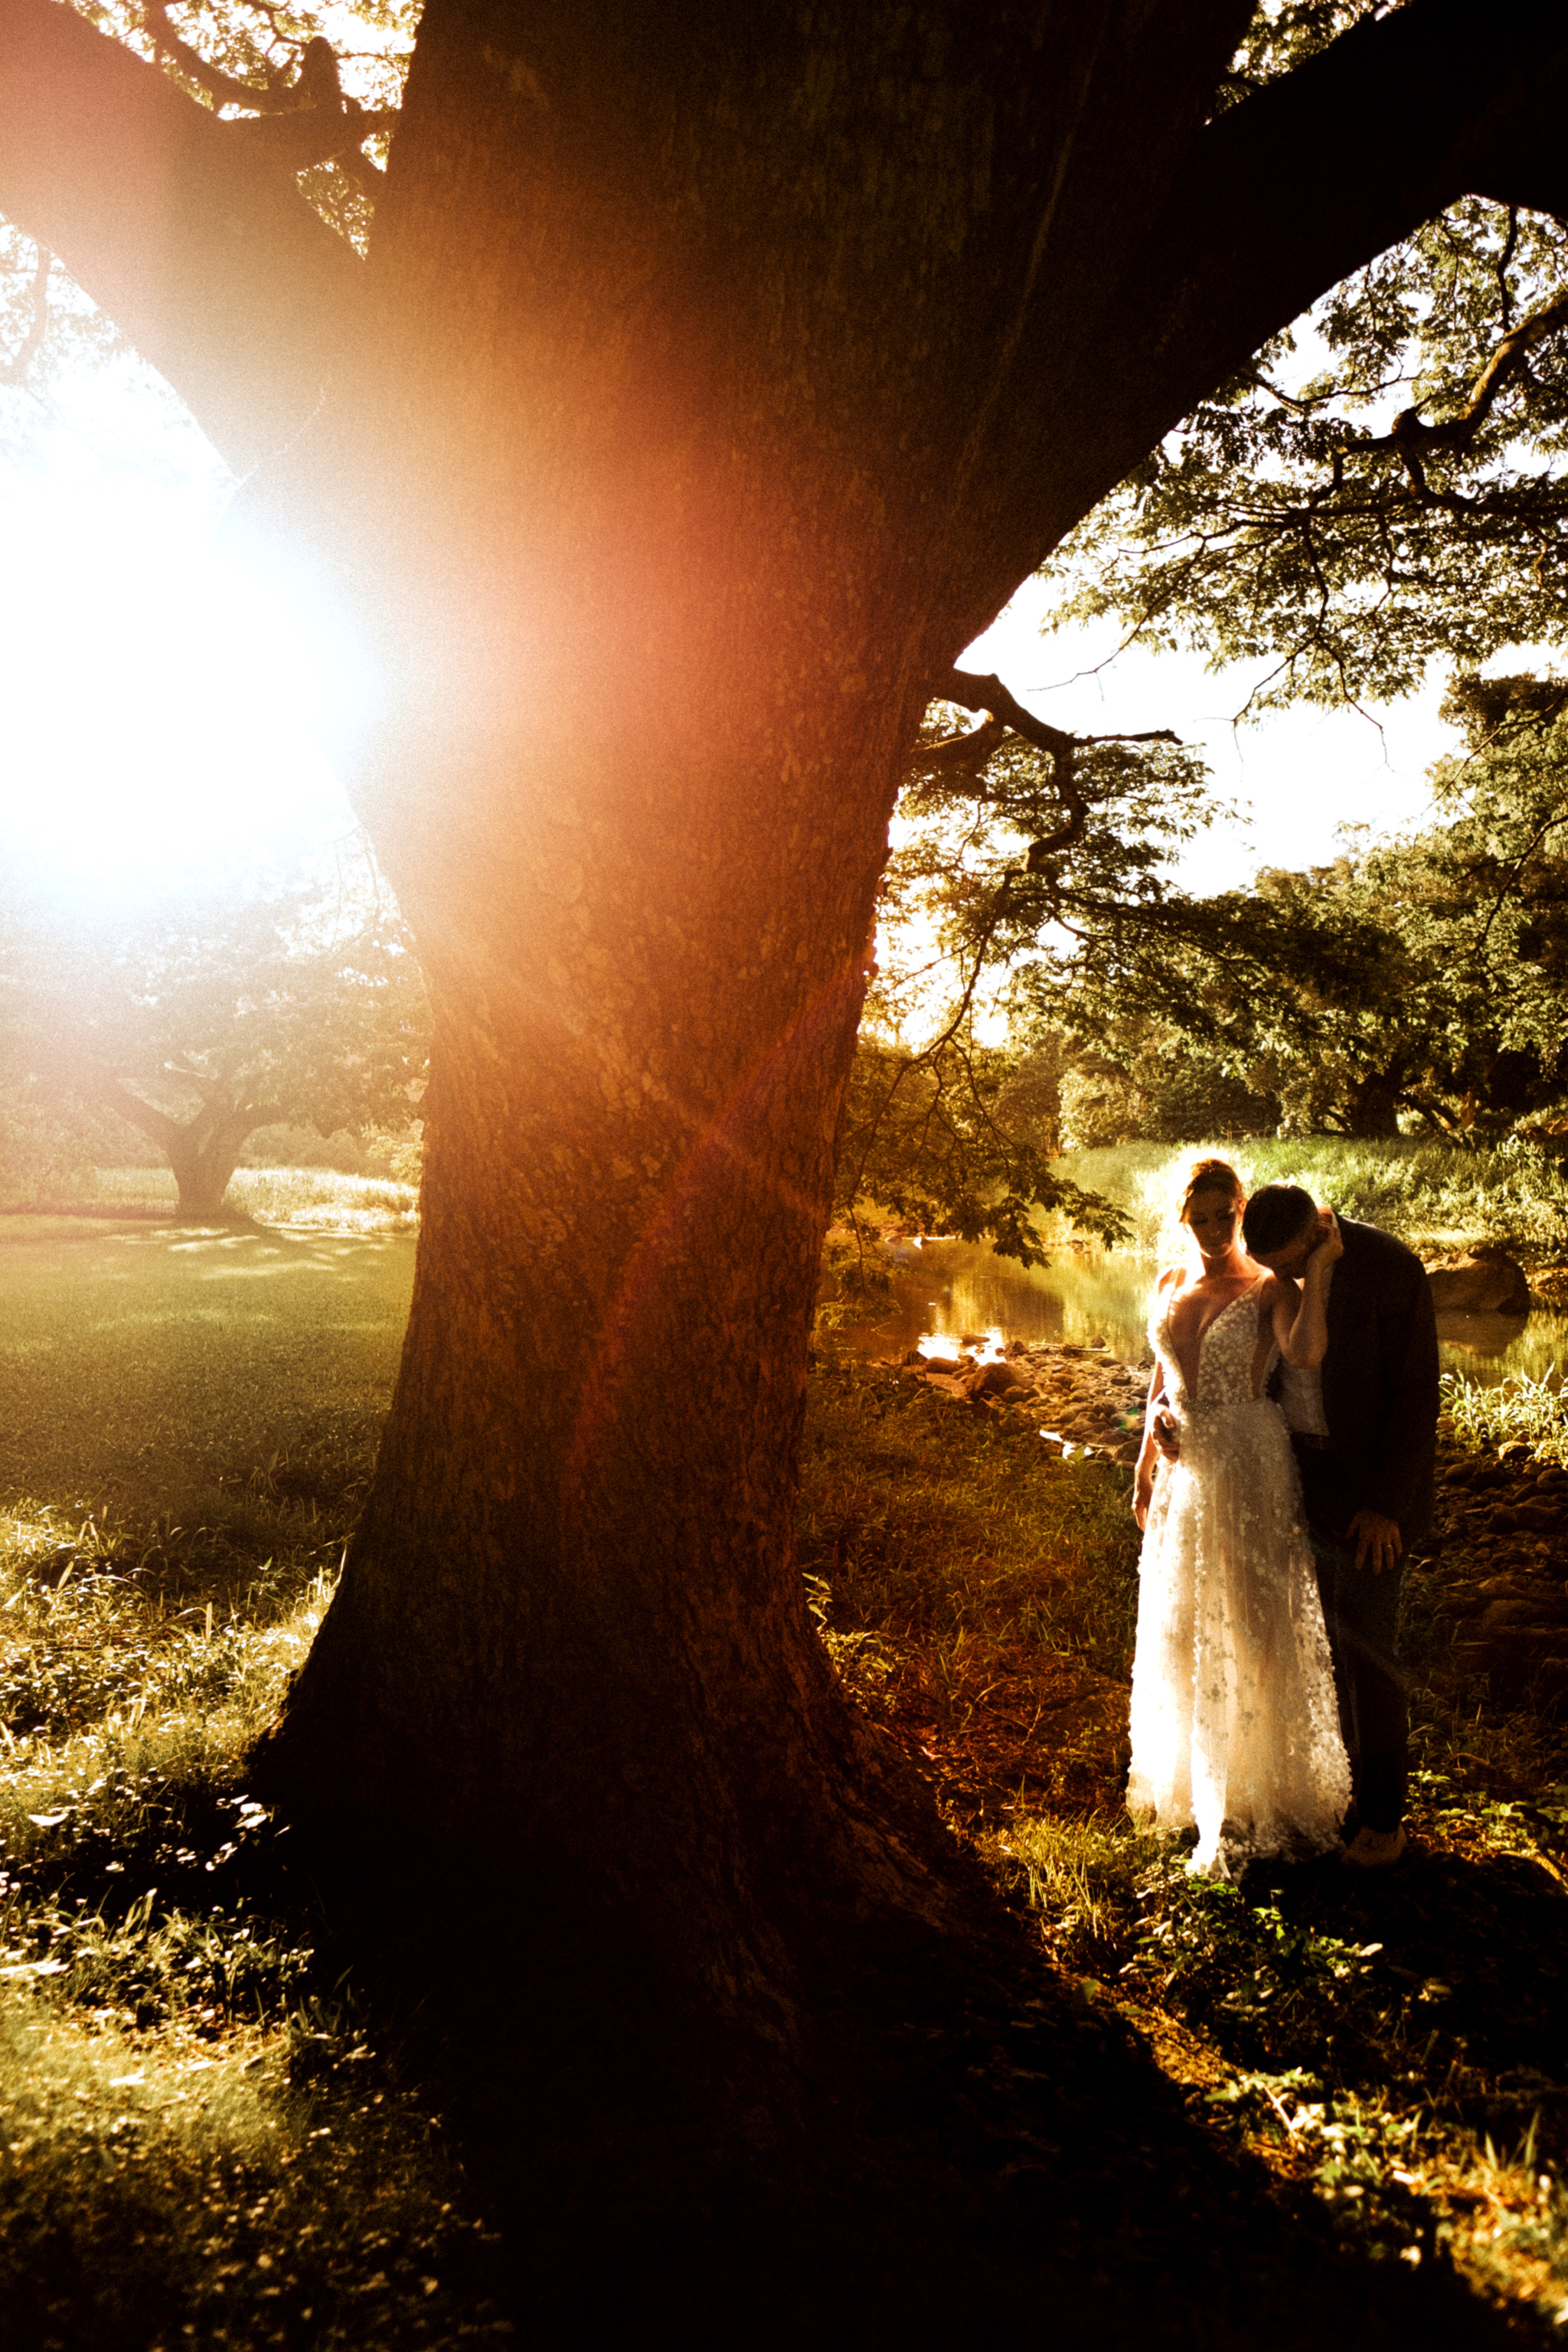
(947, 1288)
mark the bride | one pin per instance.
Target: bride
(1235, 1725)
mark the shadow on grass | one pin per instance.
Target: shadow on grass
(977, 2142)
(974, 2146)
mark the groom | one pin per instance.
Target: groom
(1364, 1428)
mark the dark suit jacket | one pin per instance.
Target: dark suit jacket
(1380, 1388)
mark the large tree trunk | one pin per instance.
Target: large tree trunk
(204, 1166)
(724, 497)
(1374, 1107)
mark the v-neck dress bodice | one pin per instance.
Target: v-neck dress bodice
(1234, 1721)
(1227, 1354)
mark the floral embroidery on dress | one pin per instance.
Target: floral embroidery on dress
(1235, 1722)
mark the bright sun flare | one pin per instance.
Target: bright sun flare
(174, 686)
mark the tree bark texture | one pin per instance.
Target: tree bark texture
(718, 373)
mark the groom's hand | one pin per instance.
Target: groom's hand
(1378, 1542)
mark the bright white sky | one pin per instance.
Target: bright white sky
(168, 691)
(1295, 777)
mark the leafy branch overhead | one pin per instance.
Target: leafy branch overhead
(1383, 485)
(1012, 832)
(291, 117)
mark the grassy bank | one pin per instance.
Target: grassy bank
(1439, 1198)
(197, 2144)
(208, 2139)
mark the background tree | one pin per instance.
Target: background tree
(1422, 981)
(216, 1016)
(715, 376)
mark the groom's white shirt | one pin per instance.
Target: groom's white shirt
(1301, 1390)
(1301, 1399)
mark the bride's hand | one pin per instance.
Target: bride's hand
(1144, 1487)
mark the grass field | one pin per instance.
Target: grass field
(192, 2143)
(1439, 1198)
(205, 2138)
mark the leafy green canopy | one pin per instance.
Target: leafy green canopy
(1386, 486)
(1000, 849)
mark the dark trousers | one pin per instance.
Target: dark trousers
(1360, 1610)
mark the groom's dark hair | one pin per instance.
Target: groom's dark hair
(1276, 1215)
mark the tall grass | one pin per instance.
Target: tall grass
(322, 1198)
(1519, 1410)
(197, 2142)
(1439, 1197)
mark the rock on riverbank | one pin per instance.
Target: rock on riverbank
(1487, 1281)
(1493, 1570)
(1081, 1399)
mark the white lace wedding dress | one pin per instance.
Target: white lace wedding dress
(1234, 1723)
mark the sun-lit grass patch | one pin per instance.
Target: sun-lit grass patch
(322, 1198)
(1439, 1197)
(1316, 2044)
(1395, 2052)
(1518, 1411)
(198, 2143)
(195, 2138)
(170, 2186)
(229, 1383)
(312, 1199)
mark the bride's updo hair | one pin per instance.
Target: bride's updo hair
(1210, 1176)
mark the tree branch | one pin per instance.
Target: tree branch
(15, 370)
(156, 1125)
(1004, 715)
(206, 256)
(1409, 431)
(973, 692)
(276, 96)
(1282, 196)
(293, 124)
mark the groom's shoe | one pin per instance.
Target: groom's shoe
(1375, 1849)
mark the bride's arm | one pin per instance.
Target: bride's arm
(1148, 1453)
(1301, 1311)
(1151, 1450)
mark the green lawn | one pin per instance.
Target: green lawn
(146, 1368)
(195, 2144)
